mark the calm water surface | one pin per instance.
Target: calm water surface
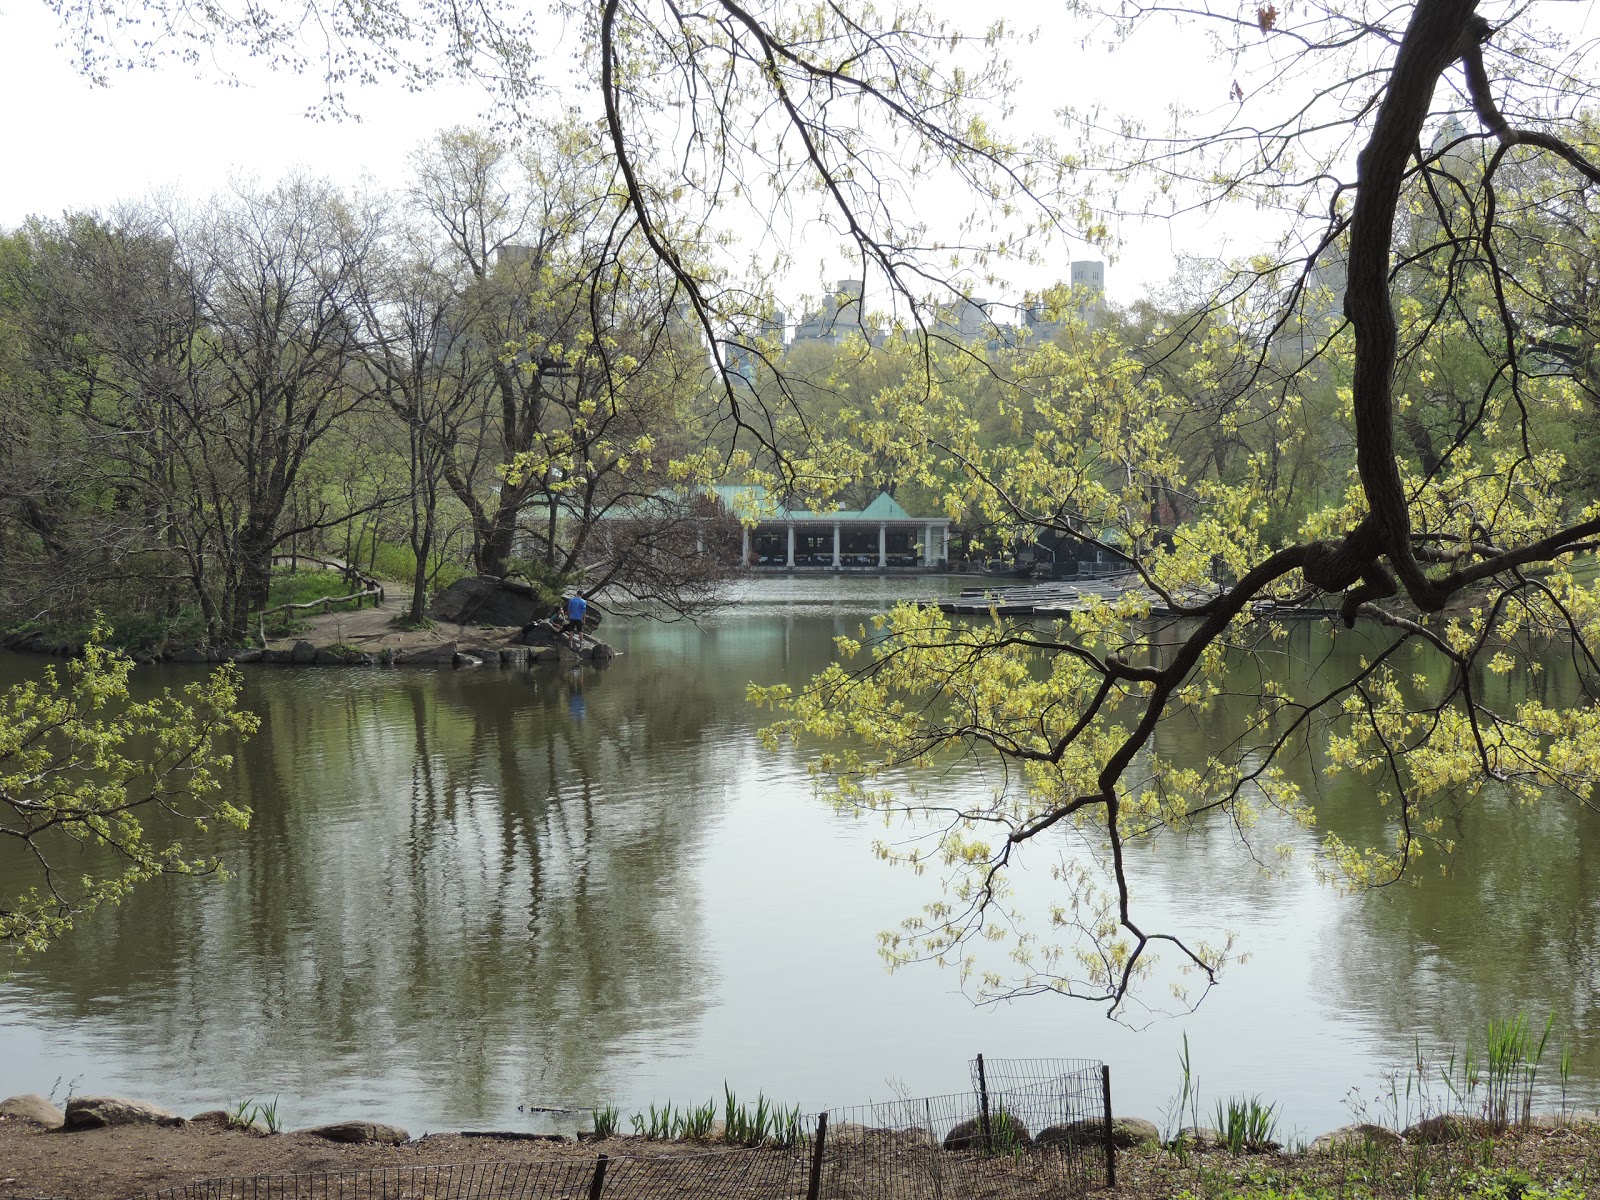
(466, 895)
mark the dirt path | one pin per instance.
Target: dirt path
(372, 630)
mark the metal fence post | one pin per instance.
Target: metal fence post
(935, 1168)
(814, 1184)
(1111, 1142)
(599, 1179)
(983, 1109)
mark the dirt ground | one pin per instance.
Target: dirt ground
(372, 630)
(130, 1160)
(133, 1161)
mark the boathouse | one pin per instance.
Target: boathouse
(881, 536)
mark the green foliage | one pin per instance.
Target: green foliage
(303, 587)
(606, 1120)
(247, 1113)
(1514, 1183)
(1499, 1084)
(397, 562)
(284, 624)
(82, 762)
(155, 630)
(663, 1124)
(1185, 1106)
(1006, 1132)
(744, 1125)
(1245, 1125)
(695, 1123)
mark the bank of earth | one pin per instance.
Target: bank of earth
(486, 624)
(1549, 1160)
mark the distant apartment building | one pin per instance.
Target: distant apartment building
(746, 350)
(839, 314)
(966, 319)
(1087, 279)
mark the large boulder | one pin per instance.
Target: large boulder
(538, 633)
(1356, 1136)
(1073, 1135)
(1128, 1132)
(485, 600)
(1448, 1128)
(429, 656)
(359, 1131)
(33, 1109)
(342, 656)
(99, 1112)
(239, 1121)
(1005, 1133)
(1198, 1137)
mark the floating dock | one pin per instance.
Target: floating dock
(1027, 600)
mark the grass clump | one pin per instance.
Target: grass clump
(659, 1127)
(744, 1125)
(248, 1113)
(1245, 1125)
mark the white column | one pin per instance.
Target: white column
(928, 558)
(744, 546)
(790, 561)
(836, 545)
(883, 544)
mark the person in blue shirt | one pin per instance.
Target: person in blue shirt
(577, 609)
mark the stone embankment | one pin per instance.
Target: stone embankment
(102, 1112)
(477, 622)
(357, 642)
(106, 1112)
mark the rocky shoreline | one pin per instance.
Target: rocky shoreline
(102, 1112)
(478, 621)
(368, 638)
(110, 1148)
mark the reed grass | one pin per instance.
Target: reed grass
(1245, 1125)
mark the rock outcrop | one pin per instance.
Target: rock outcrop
(485, 600)
(1128, 1132)
(1002, 1130)
(34, 1109)
(99, 1112)
(1447, 1128)
(358, 1131)
(1356, 1135)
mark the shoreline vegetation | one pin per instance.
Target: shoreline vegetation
(340, 633)
(1460, 1128)
(121, 1148)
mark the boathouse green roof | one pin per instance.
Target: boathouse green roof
(746, 500)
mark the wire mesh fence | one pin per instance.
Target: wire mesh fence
(1028, 1129)
(471, 1181)
(1037, 1136)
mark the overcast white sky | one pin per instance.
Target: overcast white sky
(71, 145)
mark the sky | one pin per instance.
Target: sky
(71, 145)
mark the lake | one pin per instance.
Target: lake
(470, 895)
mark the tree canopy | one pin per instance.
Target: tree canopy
(96, 783)
(1422, 322)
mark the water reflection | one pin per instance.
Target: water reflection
(465, 891)
(447, 871)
